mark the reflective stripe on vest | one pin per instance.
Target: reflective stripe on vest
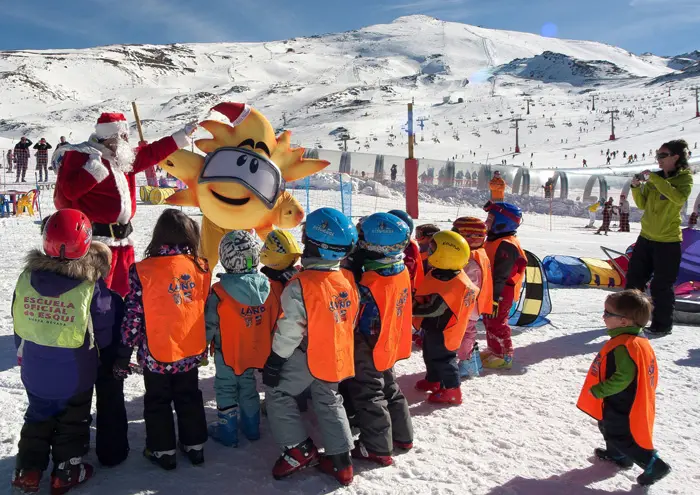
(491, 247)
(60, 321)
(175, 291)
(246, 331)
(331, 302)
(459, 293)
(485, 299)
(644, 405)
(392, 295)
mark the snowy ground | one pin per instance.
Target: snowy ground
(518, 432)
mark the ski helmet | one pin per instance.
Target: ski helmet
(280, 250)
(506, 217)
(383, 235)
(472, 229)
(405, 217)
(67, 235)
(328, 234)
(448, 251)
(239, 252)
(426, 231)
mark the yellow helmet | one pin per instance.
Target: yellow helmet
(280, 250)
(448, 251)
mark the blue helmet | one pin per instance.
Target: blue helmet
(328, 234)
(384, 234)
(405, 217)
(506, 217)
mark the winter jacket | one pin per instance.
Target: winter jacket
(369, 322)
(412, 259)
(594, 207)
(59, 373)
(133, 328)
(662, 200)
(23, 145)
(624, 206)
(293, 326)
(42, 148)
(507, 264)
(624, 371)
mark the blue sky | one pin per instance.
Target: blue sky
(664, 27)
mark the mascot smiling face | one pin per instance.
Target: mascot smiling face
(240, 182)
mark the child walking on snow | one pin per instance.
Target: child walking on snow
(620, 388)
(165, 320)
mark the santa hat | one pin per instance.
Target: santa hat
(110, 125)
(235, 112)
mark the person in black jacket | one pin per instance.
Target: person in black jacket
(21, 156)
(42, 159)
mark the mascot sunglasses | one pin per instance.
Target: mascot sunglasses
(253, 171)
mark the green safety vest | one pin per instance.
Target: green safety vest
(52, 321)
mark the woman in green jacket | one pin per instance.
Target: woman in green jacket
(657, 252)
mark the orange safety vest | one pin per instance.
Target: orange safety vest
(644, 405)
(485, 299)
(498, 189)
(459, 294)
(491, 247)
(246, 331)
(392, 295)
(418, 275)
(276, 289)
(331, 302)
(175, 291)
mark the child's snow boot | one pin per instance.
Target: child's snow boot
(621, 460)
(496, 362)
(26, 480)
(656, 470)
(447, 396)
(68, 474)
(426, 386)
(471, 367)
(165, 459)
(251, 425)
(195, 453)
(339, 466)
(225, 429)
(361, 452)
(295, 459)
(403, 446)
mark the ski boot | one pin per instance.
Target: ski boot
(471, 367)
(195, 453)
(165, 458)
(496, 362)
(656, 470)
(295, 459)
(620, 460)
(426, 386)
(225, 429)
(447, 396)
(339, 466)
(26, 480)
(250, 425)
(361, 452)
(68, 474)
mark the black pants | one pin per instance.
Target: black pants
(381, 410)
(182, 390)
(619, 442)
(662, 260)
(57, 427)
(440, 364)
(21, 171)
(112, 444)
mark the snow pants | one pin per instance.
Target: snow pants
(21, 170)
(440, 363)
(233, 390)
(498, 332)
(624, 222)
(118, 278)
(465, 349)
(662, 260)
(283, 411)
(591, 218)
(112, 443)
(57, 427)
(182, 390)
(381, 410)
(42, 162)
(619, 442)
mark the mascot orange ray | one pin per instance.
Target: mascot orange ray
(240, 183)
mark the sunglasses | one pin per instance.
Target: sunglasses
(661, 156)
(608, 314)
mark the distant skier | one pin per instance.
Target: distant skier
(394, 171)
(624, 214)
(42, 159)
(592, 213)
(21, 156)
(10, 158)
(607, 217)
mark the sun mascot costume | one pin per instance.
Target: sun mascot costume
(240, 183)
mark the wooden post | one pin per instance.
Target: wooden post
(138, 121)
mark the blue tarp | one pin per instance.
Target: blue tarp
(566, 270)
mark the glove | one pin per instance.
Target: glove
(272, 369)
(494, 311)
(121, 370)
(96, 157)
(190, 128)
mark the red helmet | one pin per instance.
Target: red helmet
(67, 235)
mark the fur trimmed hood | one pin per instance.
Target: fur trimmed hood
(93, 266)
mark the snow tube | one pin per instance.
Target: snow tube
(144, 192)
(159, 194)
(566, 270)
(602, 273)
(687, 309)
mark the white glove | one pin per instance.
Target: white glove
(190, 128)
(96, 157)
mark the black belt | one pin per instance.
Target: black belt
(114, 230)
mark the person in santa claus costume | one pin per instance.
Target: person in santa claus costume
(98, 177)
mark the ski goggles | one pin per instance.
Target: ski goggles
(255, 172)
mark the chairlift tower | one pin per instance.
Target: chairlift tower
(593, 107)
(697, 100)
(517, 120)
(612, 122)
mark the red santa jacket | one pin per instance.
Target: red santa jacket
(101, 191)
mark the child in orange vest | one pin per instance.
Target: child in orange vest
(279, 255)
(441, 308)
(240, 314)
(412, 258)
(165, 320)
(620, 388)
(382, 337)
(479, 272)
(313, 348)
(424, 234)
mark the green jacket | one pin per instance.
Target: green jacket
(625, 369)
(662, 200)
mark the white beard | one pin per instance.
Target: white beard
(124, 157)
